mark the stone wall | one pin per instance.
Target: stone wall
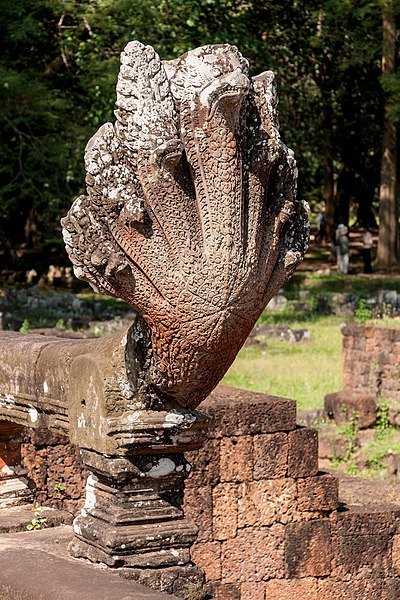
(55, 470)
(270, 526)
(371, 360)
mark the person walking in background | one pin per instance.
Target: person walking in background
(322, 227)
(342, 249)
(368, 242)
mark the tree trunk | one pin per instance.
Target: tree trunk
(388, 246)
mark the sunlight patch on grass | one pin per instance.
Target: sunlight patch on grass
(304, 371)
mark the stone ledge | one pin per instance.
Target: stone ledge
(35, 566)
(240, 412)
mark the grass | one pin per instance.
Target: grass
(359, 285)
(304, 371)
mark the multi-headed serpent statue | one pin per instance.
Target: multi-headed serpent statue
(190, 214)
(191, 217)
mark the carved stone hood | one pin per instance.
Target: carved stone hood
(191, 213)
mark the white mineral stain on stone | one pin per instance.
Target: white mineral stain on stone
(90, 500)
(33, 414)
(76, 528)
(45, 387)
(164, 466)
(174, 552)
(81, 421)
(174, 418)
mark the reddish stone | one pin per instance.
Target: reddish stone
(197, 507)
(293, 589)
(240, 412)
(267, 502)
(396, 552)
(254, 555)
(270, 455)
(205, 464)
(208, 557)
(303, 452)
(330, 444)
(224, 511)
(252, 591)
(223, 591)
(236, 459)
(367, 587)
(363, 540)
(345, 405)
(318, 493)
(308, 549)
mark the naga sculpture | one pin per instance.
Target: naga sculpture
(191, 217)
(190, 214)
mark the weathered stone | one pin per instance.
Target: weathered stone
(224, 591)
(318, 493)
(345, 405)
(236, 459)
(267, 542)
(362, 539)
(270, 455)
(225, 511)
(180, 233)
(305, 588)
(252, 591)
(191, 217)
(208, 557)
(267, 502)
(234, 412)
(303, 453)
(308, 551)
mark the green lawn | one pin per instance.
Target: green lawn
(304, 371)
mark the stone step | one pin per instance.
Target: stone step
(16, 518)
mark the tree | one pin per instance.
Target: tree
(388, 244)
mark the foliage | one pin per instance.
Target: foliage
(363, 314)
(38, 520)
(25, 327)
(59, 66)
(382, 420)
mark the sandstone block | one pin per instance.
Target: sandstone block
(240, 412)
(266, 502)
(396, 552)
(303, 453)
(366, 587)
(197, 508)
(224, 591)
(345, 405)
(308, 550)
(255, 555)
(208, 557)
(236, 459)
(318, 493)
(205, 463)
(270, 454)
(252, 591)
(224, 511)
(292, 589)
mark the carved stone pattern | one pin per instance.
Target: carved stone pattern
(190, 213)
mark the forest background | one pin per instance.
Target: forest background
(336, 64)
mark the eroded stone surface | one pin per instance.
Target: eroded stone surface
(190, 213)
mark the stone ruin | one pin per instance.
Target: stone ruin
(191, 217)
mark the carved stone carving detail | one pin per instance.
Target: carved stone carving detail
(190, 213)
